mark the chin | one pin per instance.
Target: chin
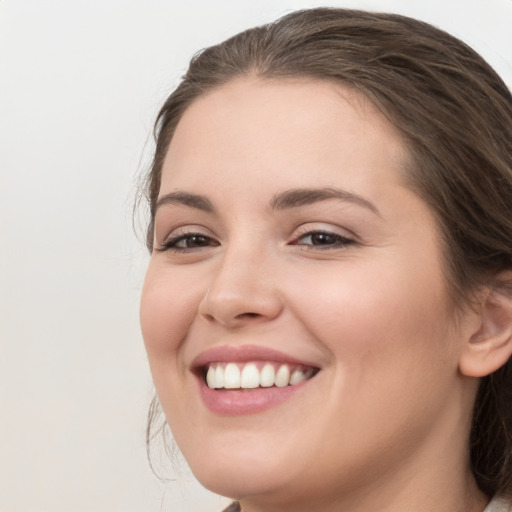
(235, 481)
(241, 473)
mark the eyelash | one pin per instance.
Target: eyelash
(335, 241)
(171, 244)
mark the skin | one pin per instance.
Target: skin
(384, 424)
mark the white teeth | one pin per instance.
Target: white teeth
(282, 376)
(267, 376)
(248, 376)
(219, 377)
(296, 378)
(231, 376)
(210, 378)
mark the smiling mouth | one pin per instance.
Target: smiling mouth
(255, 375)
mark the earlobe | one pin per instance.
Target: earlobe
(490, 347)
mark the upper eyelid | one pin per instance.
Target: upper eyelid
(321, 227)
(169, 243)
(189, 229)
(180, 236)
(338, 239)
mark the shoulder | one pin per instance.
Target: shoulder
(499, 504)
(235, 507)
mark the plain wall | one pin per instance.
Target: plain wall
(80, 85)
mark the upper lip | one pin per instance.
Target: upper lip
(245, 353)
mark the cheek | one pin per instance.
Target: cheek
(379, 316)
(168, 307)
(393, 354)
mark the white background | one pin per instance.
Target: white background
(80, 85)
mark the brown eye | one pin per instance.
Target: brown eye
(191, 241)
(324, 240)
(188, 241)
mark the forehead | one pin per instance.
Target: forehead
(283, 129)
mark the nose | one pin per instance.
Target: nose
(243, 290)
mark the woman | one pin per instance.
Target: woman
(328, 309)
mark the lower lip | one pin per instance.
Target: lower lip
(251, 401)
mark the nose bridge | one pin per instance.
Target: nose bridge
(243, 285)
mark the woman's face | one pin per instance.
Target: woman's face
(286, 247)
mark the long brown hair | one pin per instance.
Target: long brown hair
(455, 115)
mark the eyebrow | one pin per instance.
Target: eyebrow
(305, 196)
(186, 199)
(293, 198)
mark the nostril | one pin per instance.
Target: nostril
(247, 315)
(209, 318)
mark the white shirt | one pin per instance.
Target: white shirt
(498, 505)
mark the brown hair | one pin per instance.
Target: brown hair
(455, 114)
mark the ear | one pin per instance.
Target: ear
(490, 347)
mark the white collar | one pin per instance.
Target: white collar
(498, 504)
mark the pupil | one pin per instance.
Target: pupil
(321, 239)
(196, 241)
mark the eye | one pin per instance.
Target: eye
(185, 242)
(323, 240)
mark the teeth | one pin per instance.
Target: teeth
(282, 376)
(231, 376)
(249, 376)
(210, 378)
(219, 377)
(297, 377)
(267, 376)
